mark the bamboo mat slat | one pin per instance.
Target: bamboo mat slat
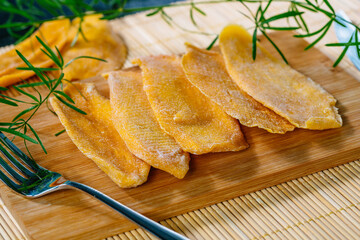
(324, 205)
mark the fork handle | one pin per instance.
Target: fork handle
(144, 222)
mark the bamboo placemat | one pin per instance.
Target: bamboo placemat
(324, 205)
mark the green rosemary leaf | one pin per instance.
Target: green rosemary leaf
(52, 6)
(339, 22)
(58, 81)
(18, 124)
(37, 72)
(80, 29)
(69, 105)
(304, 24)
(154, 12)
(261, 20)
(123, 3)
(247, 16)
(313, 33)
(254, 40)
(212, 43)
(282, 28)
(275, 46)
(19, 134)
(10, 31)
(13, 99)
(26, 146)
(47, 77)
(37, 138)
(329, 6)
(166, 17)
(192, 17)
(8, 102)
(267, 6)
(16, 24)
(8, 7)
(8, 124)
(80, 57)
(3, 89)
(326, 29)
(258, 13)
(60, 56)
(347, 44)
(199, 10)
(35, 84)
(357, 41)
(47, 54)
(27, 94)
(77, 89)
(73, 42)
(26, 35)
(311, 4)
(51, 53)
(110, 16)
(31, 8)
(302, 5)
(24, 112)
(48, 107)
(60, 132)
(65, 96)
(317, 8)
(282, 15)
(344, 51)
(40, 69)
(295, 18)
(74, 10)
(39, 94)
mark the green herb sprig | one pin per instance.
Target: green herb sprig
(33, 14)
(20, 126)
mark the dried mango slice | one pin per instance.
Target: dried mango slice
(96, 137)
(275, 84)
(52, 33)
(207, 71)
(135, 121)
(101, 42)
(196, 123)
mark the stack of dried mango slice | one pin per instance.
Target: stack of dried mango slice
(98, 40)
(172, 106)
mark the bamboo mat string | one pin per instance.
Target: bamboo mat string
(293, 210)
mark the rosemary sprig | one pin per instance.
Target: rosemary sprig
(19, 126)
(47, 10)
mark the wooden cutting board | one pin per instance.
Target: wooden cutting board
(271, 159)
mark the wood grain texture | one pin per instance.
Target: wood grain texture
(271, 159)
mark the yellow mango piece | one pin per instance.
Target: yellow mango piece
(135, 121)
(96, 137)
(275, 84)
(101, 42)
(206, 70)
(52, 33)
(196, 123)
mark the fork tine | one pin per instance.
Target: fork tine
(11, 171)
(14, 161)
(31, 163)
(10, 183)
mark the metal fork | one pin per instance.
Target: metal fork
(36, 181)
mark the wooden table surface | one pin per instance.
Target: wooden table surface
(322, 205)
